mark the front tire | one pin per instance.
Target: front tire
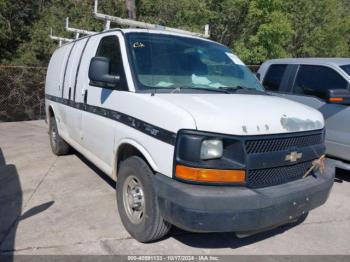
(137, 203)
(58, 145)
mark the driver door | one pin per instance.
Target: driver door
(98, 131)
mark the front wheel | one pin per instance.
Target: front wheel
(137, 203)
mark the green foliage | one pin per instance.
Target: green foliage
(321, 28)
(227, 19)
(15, 21)
(267, 32)
(185, 14)
(255, 29)
(38, 48)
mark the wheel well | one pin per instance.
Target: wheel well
(51, 113)
(125, 151)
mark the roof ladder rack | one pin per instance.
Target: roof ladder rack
(132, 23)
(60, 40)
(77, 31)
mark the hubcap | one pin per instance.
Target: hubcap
(133, 199)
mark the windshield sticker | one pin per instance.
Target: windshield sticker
(138, 45)
(235, 59)
(204, 81)
(164, 84)
(200, 80)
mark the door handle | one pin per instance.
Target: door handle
(85, 96)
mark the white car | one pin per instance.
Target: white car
(187, 131)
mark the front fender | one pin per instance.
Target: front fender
(139, 147)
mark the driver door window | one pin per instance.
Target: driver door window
(317, 80)
(273, 79)
(109, 48)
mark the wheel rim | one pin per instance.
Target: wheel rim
(133, 199)
(53, 136)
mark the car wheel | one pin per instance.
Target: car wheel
(137, 203)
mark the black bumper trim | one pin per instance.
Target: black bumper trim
(199, 208)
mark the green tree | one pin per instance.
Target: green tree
(321, 28)
(16, 18)
(227, 19)
(39, 48)
(267, 32)
(255, 29)
(190, 15)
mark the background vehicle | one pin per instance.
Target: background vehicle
(322, 83)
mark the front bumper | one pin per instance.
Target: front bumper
(200, 208)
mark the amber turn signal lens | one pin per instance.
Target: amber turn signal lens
(336, 99)
(210, 175)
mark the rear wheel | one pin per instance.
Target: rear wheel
(58, 145)
(137, 203)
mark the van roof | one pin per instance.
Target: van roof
(140, 30)
(311, 60)
(155, 31)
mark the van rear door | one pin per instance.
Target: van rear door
(73, 116)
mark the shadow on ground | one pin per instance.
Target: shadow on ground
(99, 172)
(11, 201)
(227, 240)
(342, 175)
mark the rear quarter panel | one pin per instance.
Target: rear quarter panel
(54, 81)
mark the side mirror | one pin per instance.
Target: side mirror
(99, 73)
(339, 96)
(258, 76)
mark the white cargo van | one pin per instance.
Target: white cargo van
(187, 131)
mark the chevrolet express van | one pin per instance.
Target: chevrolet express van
(187, 131)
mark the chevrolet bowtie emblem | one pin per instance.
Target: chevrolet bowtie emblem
(293, 156)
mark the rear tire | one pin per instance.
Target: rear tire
(137, 203)
(58, 145)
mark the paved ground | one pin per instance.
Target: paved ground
(64, 205)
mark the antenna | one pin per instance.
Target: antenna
(132, 23)
(60, 40)
(77, 31)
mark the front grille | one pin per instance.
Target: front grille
(277, 175)
(280, 144)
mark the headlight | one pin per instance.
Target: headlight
(211, 149)
(208, 158)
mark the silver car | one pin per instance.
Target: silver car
(322, 83)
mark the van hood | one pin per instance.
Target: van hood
(246, 114)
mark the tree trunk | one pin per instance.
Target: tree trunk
(131, 9)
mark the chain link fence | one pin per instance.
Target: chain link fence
(22, 92)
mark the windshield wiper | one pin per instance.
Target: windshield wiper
(218, 90)
(233, 89)
(230, 89)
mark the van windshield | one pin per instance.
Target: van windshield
(172, 62)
